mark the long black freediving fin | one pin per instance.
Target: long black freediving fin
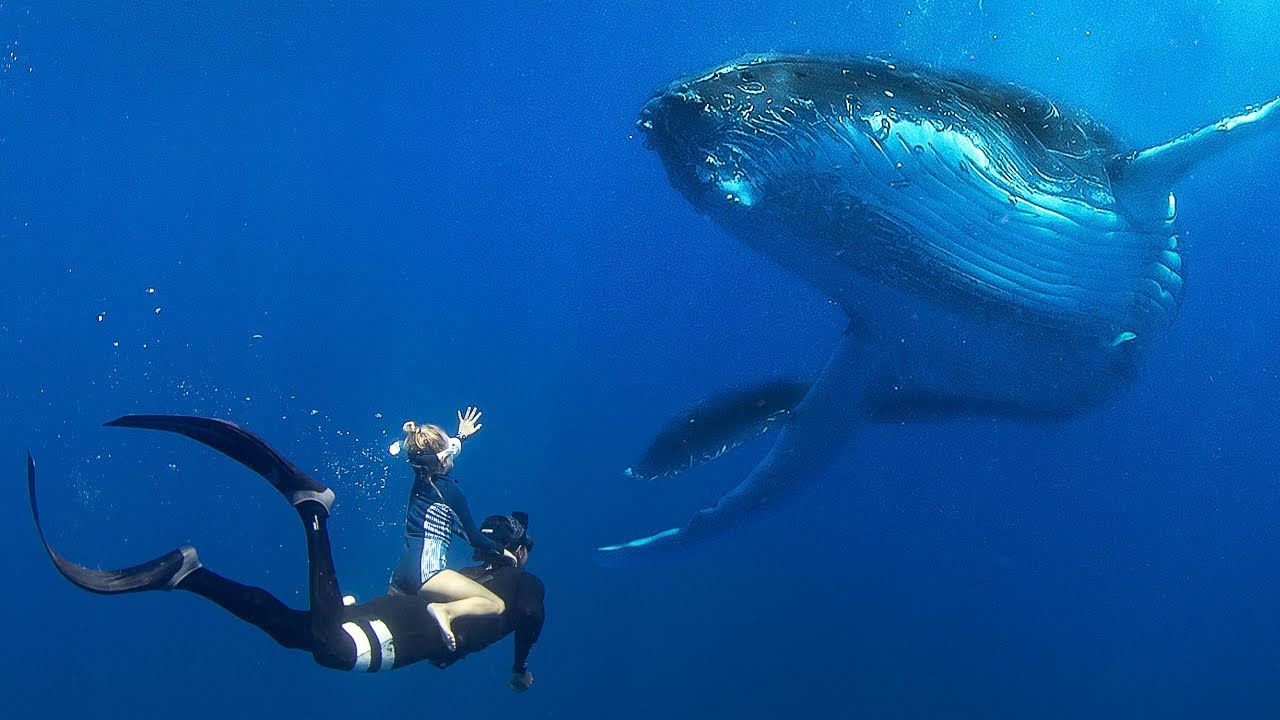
(162, 573)
(718, 424)
(242, 446)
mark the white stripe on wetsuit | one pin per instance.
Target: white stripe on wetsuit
(388, 644)
(364, 648)
(364, 651)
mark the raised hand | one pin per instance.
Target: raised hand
(467, 424)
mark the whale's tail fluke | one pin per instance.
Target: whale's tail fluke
(719, 424)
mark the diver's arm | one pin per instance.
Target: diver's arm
(452, 496)
(528, 616)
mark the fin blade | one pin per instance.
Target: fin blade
(240, 445)
(162, 573)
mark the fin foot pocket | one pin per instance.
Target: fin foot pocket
(190, 563)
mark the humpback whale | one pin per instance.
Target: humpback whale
(998, 253)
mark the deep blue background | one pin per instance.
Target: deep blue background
(420, 206)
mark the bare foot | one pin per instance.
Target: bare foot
(442, 618)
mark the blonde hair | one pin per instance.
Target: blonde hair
(422, 443)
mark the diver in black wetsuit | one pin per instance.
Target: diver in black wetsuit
(520, 590)
(386, 633)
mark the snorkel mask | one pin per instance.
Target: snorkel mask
(452, 450)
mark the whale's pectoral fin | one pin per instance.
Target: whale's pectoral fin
(718, 424)
(1155, 169)
(805, 446)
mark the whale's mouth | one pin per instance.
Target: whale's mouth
(653, 116)
(706, 158)
(677, 121)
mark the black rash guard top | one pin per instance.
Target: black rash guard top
(419, 522)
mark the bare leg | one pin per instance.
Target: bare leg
(452, 596)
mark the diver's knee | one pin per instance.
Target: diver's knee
(334, 660)
(336, 652)
(500, 606)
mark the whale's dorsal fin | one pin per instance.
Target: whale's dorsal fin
(1157, 168)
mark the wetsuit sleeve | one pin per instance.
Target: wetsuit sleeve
(527, 619)
(452, 496)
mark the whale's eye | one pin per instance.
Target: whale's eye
(747, 76)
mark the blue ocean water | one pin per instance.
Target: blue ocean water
(319, 220)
